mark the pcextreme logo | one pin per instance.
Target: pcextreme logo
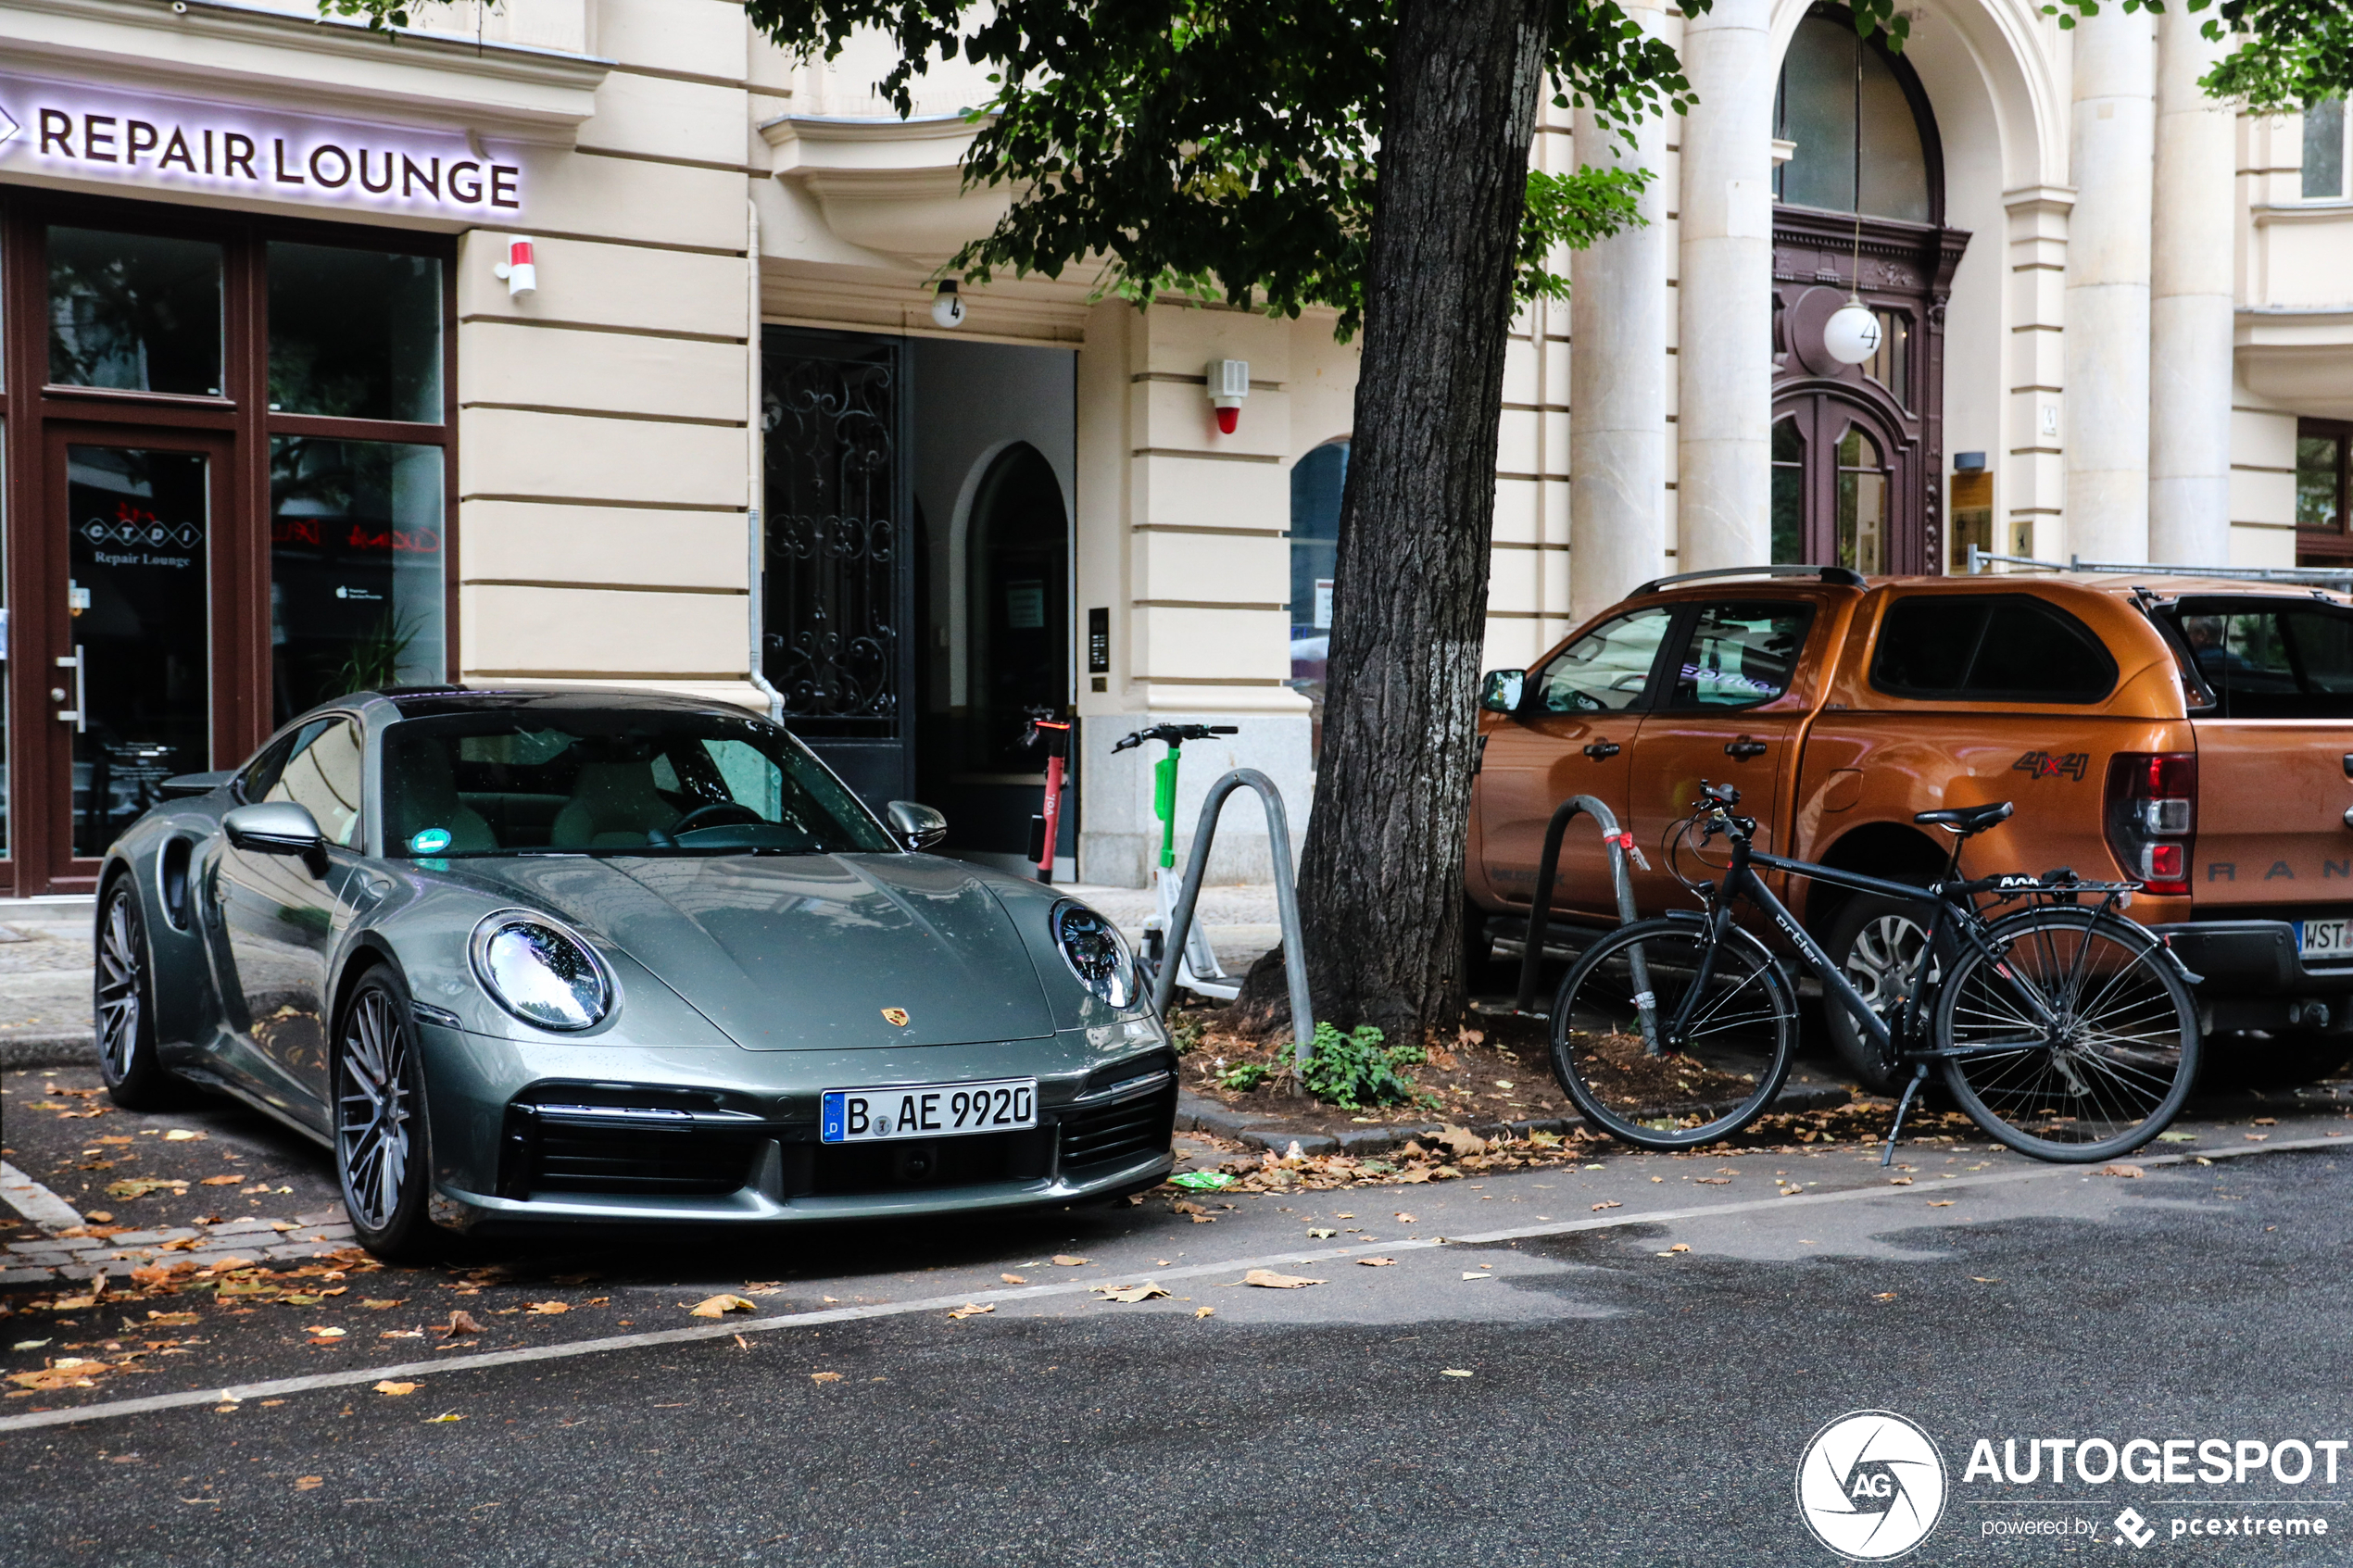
(1871, 1486)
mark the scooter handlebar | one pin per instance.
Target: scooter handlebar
(1176, 734)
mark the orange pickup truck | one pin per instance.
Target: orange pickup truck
(2194, 735)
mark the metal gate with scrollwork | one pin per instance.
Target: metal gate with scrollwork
(837, 595)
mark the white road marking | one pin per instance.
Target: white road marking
(277, 1388)
(35, 1201)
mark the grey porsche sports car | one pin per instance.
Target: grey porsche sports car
(529, 957)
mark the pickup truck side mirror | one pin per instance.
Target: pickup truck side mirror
(918, 827)
(278, 827)
(1499, 692)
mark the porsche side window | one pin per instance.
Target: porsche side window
(1740, 655)
(1606, 671)
(322, 774)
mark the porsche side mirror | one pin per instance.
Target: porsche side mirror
(1499, 692)
(918, 827)
(277, 827)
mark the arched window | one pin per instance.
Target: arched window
(1017, 626)
(1854, 116)
(1316, 484)
(1862, 503)
(1789, 493)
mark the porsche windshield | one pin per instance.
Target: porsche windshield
(620, 781)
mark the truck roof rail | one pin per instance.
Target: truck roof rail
(2340, 578)
(1841, 576)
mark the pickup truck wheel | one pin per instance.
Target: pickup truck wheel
(1878, 943)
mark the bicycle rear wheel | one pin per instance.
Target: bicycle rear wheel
(2081, 1042)
(1680, 1094)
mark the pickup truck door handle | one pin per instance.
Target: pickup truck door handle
(1745, 749)
(1602, 751)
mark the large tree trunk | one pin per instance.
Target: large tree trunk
(1381, 881)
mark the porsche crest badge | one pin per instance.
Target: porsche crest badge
(895, 1015)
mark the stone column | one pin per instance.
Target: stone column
(1724, 363)
(1617, 382)
(2106, 429)
(2191, 288)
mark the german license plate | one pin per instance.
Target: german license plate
(927, 1110)
(2326, 938)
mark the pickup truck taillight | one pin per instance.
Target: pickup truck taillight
(2151, 815)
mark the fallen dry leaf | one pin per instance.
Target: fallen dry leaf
(182, 1135)
(1713, 1181)
(1065, 1261)
(1613, 1203)
(719, 1305)
(461, 1322)
(375, 1306)
(395, 1390)
(1899, 1181)
(1680, 1247)
(328, 1333)
(1204, 1311)
(2120, 1169)
(1404, 1219)
(1321, 1236)
(1884, 1296)
(2251, 1137)
(1454, 1371)
(1130, 1292)
(1012, 1279)
(972, 1310)
(2264, 1120)
(1940, 1203)
(1273, 1281)
(549, 1308)
(445, 1415)
(220, 1180)
(171, 1319)
(1375, 1262)
(310, 1483)
(824, 1377)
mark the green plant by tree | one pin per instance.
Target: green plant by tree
(1352, 1071)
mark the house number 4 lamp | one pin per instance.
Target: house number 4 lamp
(1851, 335)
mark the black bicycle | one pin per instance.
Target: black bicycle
(2063, 1029)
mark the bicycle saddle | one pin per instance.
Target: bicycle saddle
(1967, 819)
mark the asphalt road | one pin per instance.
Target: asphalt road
(1626, 1402)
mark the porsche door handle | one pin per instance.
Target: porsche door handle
(1743, 749)
(1603, 751)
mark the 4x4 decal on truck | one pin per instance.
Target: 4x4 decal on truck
(2052, 765)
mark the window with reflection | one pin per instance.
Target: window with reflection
(1862, 503)
(134, 312)
(2324, 150)
(1858, 135)
(355, 590)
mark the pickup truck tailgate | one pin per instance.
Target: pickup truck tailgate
(2271, 802)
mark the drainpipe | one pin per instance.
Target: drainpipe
(756, 481)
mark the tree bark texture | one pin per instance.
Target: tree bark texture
(1381, 876)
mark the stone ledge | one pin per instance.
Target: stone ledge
(58, 1048)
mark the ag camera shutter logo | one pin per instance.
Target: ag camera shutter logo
(1871, 1486)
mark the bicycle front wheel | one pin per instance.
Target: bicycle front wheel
(1660, 1082)
(2078, 1042)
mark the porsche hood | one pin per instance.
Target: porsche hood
(806, 952)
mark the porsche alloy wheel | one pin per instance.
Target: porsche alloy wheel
(123, 1007)
(380, 1142)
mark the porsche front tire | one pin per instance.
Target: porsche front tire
(382, 1149)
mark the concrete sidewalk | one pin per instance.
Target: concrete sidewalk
(45, 960)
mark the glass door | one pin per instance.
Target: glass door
(131, 655)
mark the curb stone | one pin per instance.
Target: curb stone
(64, 1047)
(1199, 1113)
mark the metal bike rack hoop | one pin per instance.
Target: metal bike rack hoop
(1302, 1022)
(1548, 871)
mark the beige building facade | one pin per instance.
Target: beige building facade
(283, 409)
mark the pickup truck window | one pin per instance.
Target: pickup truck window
(1989, 647)
(1607, 671)
(1739, 655)
(2269, 660)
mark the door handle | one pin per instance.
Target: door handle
(1602, 751)
(78, 715)
(1743, 749)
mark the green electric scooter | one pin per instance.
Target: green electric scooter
(1198, 967)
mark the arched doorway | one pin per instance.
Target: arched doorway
(1016, 609)
(1860, 205)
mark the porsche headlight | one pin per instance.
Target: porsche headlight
(541, 973)
(1093, 949)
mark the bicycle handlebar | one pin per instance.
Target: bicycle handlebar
(1176, 734)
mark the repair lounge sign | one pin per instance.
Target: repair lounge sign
(70, 130)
